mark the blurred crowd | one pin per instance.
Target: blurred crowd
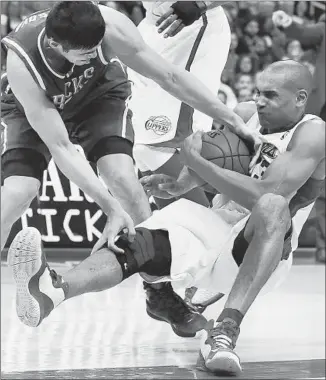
(256, 42)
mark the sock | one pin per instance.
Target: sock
(58, 282)
(51, 286)
(233, 314)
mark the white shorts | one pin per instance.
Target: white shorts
(202, 242)
(158, 117)
(150, 158)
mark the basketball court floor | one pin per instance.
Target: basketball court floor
(109, 335)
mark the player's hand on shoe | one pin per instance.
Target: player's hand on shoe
(161, 186)
(118, 221)
(180, 14)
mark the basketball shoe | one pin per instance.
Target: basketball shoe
(164, 304)
(217, 348)
(38, 288)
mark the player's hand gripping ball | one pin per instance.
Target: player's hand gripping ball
(222, 147)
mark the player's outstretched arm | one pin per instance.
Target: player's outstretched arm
(125, 40)
(288, 172)
(47, 122)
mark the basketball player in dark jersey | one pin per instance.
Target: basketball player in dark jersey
(67, 85)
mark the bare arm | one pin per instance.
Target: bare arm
(288, 172)
(47, 122)
(127, 43)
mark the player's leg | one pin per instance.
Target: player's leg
(258, 250)
(40, 289)
(105, 132)
(118, 173)
(23, 162)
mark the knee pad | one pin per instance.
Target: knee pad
(150, 252)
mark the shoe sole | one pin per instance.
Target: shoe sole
(224, 363)
(25, 259)
(177, 332)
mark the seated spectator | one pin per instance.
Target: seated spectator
(263, 52)
(250, 36)
(246, 64)
(301, 12)
(244, 81)
(293, 51)
(245, 95)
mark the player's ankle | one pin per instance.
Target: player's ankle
(58, 282)
(233, 314)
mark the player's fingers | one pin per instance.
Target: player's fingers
(174, 28)
(99, 244)
(179, 29)
(167, 23)
(131, 231)
(114, 248)
(255, 158)
(164, 16)
(146, 181)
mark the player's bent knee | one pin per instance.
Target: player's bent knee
(150, 252)
(272, 211)
(117, 169)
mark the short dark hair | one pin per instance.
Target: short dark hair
(75, 24)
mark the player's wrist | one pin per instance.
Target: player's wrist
(110, 205)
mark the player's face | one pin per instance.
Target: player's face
(276, 105)
(79, 57)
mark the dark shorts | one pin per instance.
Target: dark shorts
(101, 128)
(241, 245)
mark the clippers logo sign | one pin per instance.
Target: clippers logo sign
(160, 125)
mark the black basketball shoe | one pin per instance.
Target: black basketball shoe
(164, 304)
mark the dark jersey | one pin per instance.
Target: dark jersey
(80, 84)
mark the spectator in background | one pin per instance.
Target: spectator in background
(312, 36)
(246, 64)
(244, 81)
(250, 36)
(245, 95)
(293, 50)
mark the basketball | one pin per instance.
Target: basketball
(227, 150)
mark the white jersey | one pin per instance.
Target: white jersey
(276, 144)
(202, 48)
(202, 239)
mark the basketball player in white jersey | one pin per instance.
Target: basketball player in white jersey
(248, 253)
(195, 35)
